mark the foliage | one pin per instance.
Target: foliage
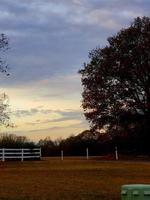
(13, 141)
(116, 81)
(97, 143)
(49, 147)
(76, 145)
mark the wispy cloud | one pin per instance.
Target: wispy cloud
(30, 112)
(65, 115)
(53, 132)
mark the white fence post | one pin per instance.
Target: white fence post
(87, 153)
(3, 155)
(21, 155)
(62, 155)
(116, 153)
(40, 152)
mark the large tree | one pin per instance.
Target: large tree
(116, 81)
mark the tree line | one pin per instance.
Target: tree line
(98, 144)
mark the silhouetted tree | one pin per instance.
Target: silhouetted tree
(13, 141)
(116, 81)
(49, 147)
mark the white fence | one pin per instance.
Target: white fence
(20, 154)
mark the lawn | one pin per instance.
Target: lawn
(70, 179)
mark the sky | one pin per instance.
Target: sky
(49, 41)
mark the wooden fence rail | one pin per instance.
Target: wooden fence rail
(20, 154)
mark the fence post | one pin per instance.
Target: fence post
(116, 153)
(3, 155)
(62, 155)
(40, 153)
(87, 153)
(22, 155)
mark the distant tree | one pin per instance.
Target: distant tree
(49, 147)
(13, 141)
(116, 81)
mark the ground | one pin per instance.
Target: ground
(70, 179)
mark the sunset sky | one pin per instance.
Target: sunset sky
(49, 42)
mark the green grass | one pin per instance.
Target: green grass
(71, 179)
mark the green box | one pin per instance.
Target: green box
(135, 192)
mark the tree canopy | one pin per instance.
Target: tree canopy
(116, 81)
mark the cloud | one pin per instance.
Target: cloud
(30, 112)
(53, 132)
(48, 38)
(65, 115)
(76, 125)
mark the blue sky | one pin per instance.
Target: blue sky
(49, 42)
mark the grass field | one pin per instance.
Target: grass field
(71, 179)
